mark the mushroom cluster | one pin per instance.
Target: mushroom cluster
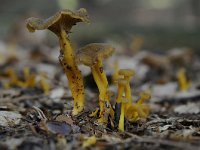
(184, 83)
(139, 109)
(124, 107)
(92, 55)
(26, 80)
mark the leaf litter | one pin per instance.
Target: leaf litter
(31, 119)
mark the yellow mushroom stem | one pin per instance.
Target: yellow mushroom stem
(109, 108)
(72, 72)
(26, 72)
(121, 120)
(102, 84)
(44, 86)
(128, 89)
(29, 78)
(183, 83)
(120, 113)
(120, 93)
(13, 78)
(115, 75)
(30, 82)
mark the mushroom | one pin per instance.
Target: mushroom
(61, 24)
(44, 84)
(139, 110)
(14, 79)
(92, 55)
(184, 84)
(127, 73)
(30, 78)
(121, 87)
(143, 110)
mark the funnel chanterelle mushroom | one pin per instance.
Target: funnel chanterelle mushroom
(120, 104)
(184, 83)
(60, 24)
(127, 73)
(140, 109)
(92, 55)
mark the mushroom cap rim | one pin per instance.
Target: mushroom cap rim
(90, 54)
(127, 72)
(41, 24)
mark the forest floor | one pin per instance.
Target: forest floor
(34, 120)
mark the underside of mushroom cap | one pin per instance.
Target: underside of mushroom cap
(122, 82)
(127, 72)
(66, 18)
(89, 54)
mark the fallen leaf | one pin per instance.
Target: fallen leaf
(9, 118)
(64, 118)
(59, 127)
(190, 108)
(56, 94)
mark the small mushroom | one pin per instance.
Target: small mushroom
(143, 109)
(184, 84)
(92, 55)
(44, 84)
(127, 73)
(139, 110)
(30, 78)
(61, 24)
(121, 87)
(15, 80)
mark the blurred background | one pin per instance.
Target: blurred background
(153, 24)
